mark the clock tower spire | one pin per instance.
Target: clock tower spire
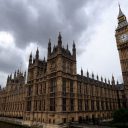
(122, 20)
(122, 45)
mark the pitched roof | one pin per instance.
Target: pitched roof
(120, 12)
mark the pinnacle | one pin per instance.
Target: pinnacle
(120, 12)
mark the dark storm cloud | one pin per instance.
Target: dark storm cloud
(31, 21)
(74, 20)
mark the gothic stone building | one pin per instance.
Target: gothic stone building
(54, 93)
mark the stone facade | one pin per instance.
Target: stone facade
(12, 97)
(54, 93)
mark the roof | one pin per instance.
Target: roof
(120, 12)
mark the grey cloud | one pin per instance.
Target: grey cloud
(9, 60)
(37, 21)
(18, 17)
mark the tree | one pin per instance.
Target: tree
(120, 116)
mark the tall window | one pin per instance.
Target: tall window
(36, 89)
(102, 105)
(72, 104)
(29, 91)
(86, 105)
(80, 104)
(64, 66)
(28, 105)
(64, 85)
(92, 105)
(110, 106)
(71, 86)
(64, 104)
(35, 105)
(52, 97)
(53, 85)
(64, 94)
(52, 104)
(44, 88)
(97, 105)
(39, 105)
(43, 105)
(40, 88)
(80, 88)
(106, 105)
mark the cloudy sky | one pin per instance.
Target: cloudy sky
(28, 24)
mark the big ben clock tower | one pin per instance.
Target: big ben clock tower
(122, 45)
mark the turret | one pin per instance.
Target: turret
(74, 50)
(67, 46)
(92, 75)
(97, 77)
(44, 59)
(25, 74)
(81, 72)
(101, 79)
(87, 74)
(18, 72)
(15, 75)
(11, 77)
(49, 47)
(117, 82)
(8, 79)
(113, 80)
(37, 54)
(108, 81)
(59, 40)
(30, 59)
(105, 80)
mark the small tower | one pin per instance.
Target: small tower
(18, 72)
(67, 46)
(74, 50)
(59, 40)
(108, 81)
(97, 77)
(44, 59)
(117, 82)
(101, 79)
(92, 75)
(105, 80)
(15, 75)
(81, 72)
(11, 77)
(8, 79)
(113, 80)
(37, 54)
(25, 74)
(30, 59)
(49, 47)
(87, 74)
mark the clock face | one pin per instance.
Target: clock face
(123, 37)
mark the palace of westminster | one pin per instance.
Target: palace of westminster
(52, 92)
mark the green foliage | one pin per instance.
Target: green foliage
(121, 116)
